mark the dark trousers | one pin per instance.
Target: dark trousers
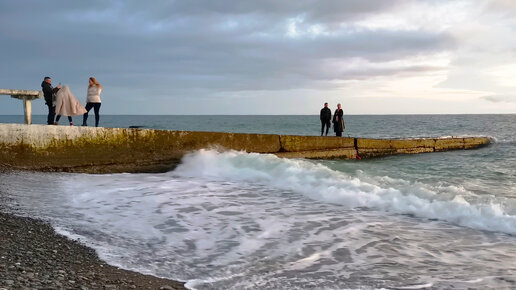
(338, 134)
(59, 117)
(323, 124)
(51, 114)
(96, 109)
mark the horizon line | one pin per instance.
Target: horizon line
(364, 114)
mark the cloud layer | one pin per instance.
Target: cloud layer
(168, 57)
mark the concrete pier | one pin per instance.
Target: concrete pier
(26, 96)
(103, 150)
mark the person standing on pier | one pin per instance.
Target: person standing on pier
(338, 121)
(325, 119)
(48, 93)
(67, 105)
(93, 101)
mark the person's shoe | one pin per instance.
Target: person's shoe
(71, 123)
(55, 123)
(84, 125)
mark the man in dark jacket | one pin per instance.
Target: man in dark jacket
(325, 118)
(48, 93)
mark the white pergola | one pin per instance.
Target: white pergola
(27, 96)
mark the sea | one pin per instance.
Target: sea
(236, 220)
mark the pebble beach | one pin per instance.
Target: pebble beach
(34, 256)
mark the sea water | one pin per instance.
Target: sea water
(234, 220)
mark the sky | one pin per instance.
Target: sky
(265, 57)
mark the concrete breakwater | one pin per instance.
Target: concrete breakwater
(104, 150)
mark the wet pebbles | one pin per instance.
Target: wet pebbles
(33, 256)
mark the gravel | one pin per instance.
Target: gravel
(34, 256)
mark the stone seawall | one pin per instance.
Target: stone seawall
(102, 150)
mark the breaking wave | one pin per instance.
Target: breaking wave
(319, 182)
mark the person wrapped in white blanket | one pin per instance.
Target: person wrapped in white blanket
(67, 105)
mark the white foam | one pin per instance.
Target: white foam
(321, 183)
(232, 220)
(421, 286)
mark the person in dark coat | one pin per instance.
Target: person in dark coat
(338, 121)
(48, 93)
(325, 118)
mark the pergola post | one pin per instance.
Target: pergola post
(27, 109)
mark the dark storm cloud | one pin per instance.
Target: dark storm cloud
(318, 10)
(163, 47)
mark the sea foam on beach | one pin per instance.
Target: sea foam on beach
(233, 219)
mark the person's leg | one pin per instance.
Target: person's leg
(322, 127)
(57, 119)
(51, 115)
(48, 116)
(339, 134)
(96, 109)
(85, 116)
(327, 127)
(70, 120)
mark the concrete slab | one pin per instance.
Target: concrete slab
(102, 150)
(291, 143)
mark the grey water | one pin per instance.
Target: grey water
(381, 126)
(232, 220)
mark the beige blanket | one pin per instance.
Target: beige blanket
(67, 104)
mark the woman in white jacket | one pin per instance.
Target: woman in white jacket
(93, 101)
(67, 105)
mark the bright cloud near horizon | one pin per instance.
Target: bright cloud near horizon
(266, 57)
